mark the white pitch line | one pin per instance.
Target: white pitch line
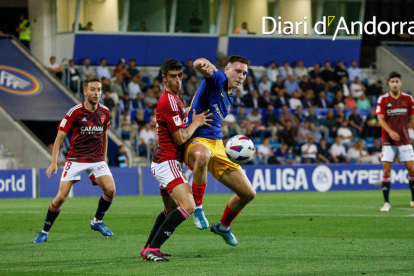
(217, 214)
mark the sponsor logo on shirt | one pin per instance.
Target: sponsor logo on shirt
(63, 123)
(84, 119)
(91, 129)
(218, 111)
(397, 111)
(177, 120)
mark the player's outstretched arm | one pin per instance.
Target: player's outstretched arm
(205, 67)
(184, 134)
(394, 135)
(55, 153)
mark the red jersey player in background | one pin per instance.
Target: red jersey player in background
(88, 147)
(393, 110)
(173, 131)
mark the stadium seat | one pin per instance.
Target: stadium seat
(330, 140)
(257, 140)
(274, 143)
(369, 140)
(147, 81)
(330, 96)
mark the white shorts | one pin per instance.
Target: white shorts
(169, 173)
(405, 153)
(73, 170)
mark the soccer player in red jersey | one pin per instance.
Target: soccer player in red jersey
(88, 147)
(173, 131)
(393, 110)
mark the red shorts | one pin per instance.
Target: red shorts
(170, 174)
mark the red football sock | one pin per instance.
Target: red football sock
(228, 217)
(198, 193)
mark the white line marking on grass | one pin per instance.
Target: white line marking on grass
(218, 214)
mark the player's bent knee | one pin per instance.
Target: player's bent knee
(110, 191)
(202, 158)
(248, 197)
(189, 207)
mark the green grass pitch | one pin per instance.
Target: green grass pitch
(334, 233)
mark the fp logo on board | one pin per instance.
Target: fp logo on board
(16, 81)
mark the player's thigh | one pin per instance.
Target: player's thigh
(238, 182)
(64, 188)
(107, 184)
(220, 163)
(410, 167)
(182, 196)
(100, 175)
(388, 153)
(169, 203)
(195, 149)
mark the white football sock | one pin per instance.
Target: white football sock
(223, 228)
(96, 221)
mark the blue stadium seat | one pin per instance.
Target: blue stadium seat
(147, 81)
(257, 140)
(274, 143)
(330, 96)
(369, 140)
(330, 140)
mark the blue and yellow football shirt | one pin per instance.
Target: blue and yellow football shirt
(214, 94)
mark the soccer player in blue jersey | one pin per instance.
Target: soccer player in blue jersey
(205, 151)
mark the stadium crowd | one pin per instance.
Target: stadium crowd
(292, 114)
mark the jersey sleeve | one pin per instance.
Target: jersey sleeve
(172, 115)
(108, 120)
(380, 110)
(217, 79)
(411, 109)
(66, 124)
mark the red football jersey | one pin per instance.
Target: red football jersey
(396, 112)
(86, 145)
(171, 116)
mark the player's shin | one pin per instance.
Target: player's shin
(386, 187)
(167, 228)
(198, 193)
(158, 222)
(103, 206)
(411, 184)
(227, 219)
(51, 216)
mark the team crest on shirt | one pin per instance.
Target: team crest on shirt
(404, 103)
(102, 119)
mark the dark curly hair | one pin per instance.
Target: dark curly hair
(170, 64)
(394, 75)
